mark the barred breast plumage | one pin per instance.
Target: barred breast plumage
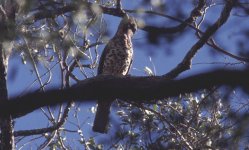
(118, 58)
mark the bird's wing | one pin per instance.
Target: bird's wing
(129, 66)
(102, 58)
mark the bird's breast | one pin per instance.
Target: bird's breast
(118, 60)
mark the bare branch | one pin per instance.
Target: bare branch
(119, 12)
(70, 8)
(212, 43)
(196, 12)
(48, 129)
(186, 62)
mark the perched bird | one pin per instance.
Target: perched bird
(116, 59)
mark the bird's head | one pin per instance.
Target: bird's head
(127, 26)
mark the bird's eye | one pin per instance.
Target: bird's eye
(132, 27)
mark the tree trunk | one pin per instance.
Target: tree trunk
(7, 35)
(7, 138)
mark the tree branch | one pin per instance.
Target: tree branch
(128, 88)
(185, 64)
(212, 43)
(196, 12)
(71, 8)
(7, 20)
(48, 129)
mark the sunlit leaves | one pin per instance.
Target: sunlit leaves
(185, 117)
(24, 61)
(148, 71)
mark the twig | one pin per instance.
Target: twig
(212, 43)
(185, 64)
(183, 140)
(47, 142)
(56, 126)
(119, 12)
(29, 142)
(151, 29)
(61, 141)
(195, 13)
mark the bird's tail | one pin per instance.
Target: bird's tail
(101, 120)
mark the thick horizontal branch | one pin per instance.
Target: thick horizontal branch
(128, 88)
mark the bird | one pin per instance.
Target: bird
(116, 59)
